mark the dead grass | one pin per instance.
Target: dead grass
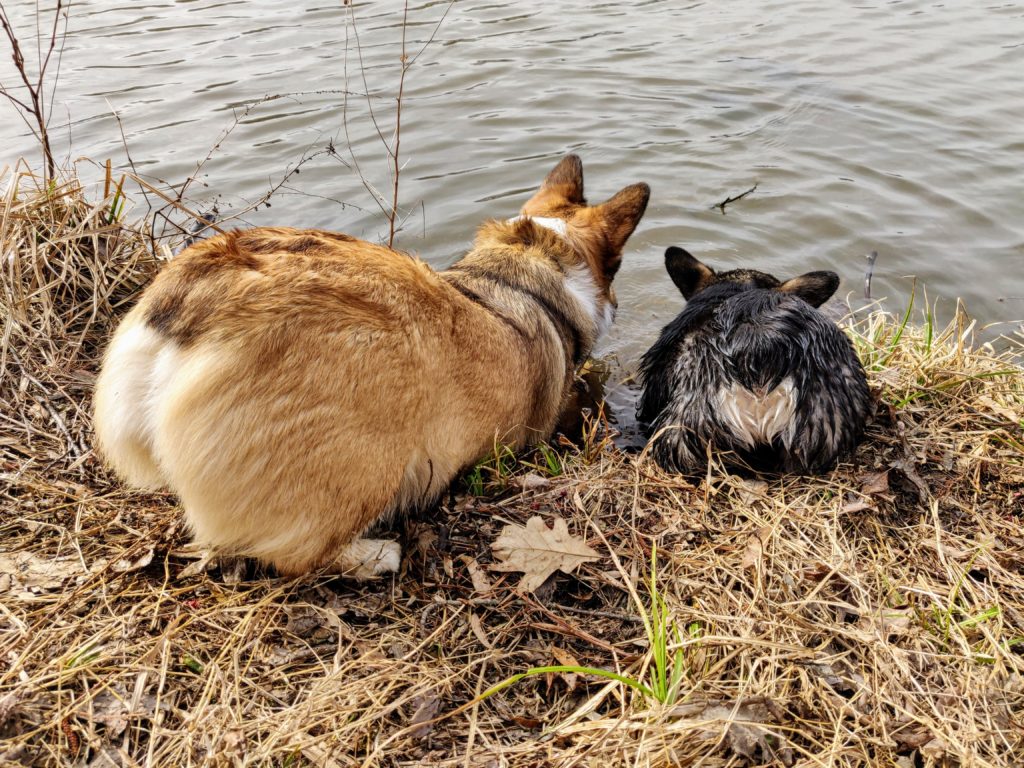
(874, 616)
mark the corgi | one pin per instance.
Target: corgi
(752, 369)
(294, 386)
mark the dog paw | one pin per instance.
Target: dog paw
(366, 559)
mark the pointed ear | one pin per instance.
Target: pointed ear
(815, 287)
(690, 275)
(566, 179)
(622, 213)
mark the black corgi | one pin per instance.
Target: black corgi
(752, 370)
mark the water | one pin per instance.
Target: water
(888, 126)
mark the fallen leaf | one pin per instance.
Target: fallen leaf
(28, 574)
(478, 629)
(527, 722)
(565, 658)
(750, 490)
(531, 482)
(755, 548)
(815, 571)
(907, 467)
(125, 565)
(481, 584)
(203, 559)
(888, 623)
(110, 711)
(935, 750)
(538, 551)
(912, 737)
(749, 727)
(8, 704)
(112, 708)
(856, 506)
(231, 743)
(426, 710)
(875, 482)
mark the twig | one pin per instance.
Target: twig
(721, 206)
(36, 105)
(398, 128)
(377, 197)
(871, 257)
(389, 209)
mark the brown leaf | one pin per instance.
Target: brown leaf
(907, 467)
(203, 558)
(426, 710)
(935, 750)
(911, 737)
(29, 574)
(875, 482)
(855, 506)
(891, 622)
(538, 551)
(478, 629)
(815, 571)
(755, 548)
(481, 584)
(110, 710)
(748, 726)
(527, 722)
(125, 565)
(531, 481)
(750, 490)
(566, 659)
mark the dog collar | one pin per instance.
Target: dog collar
(555, 225)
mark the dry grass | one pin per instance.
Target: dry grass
(874, 616)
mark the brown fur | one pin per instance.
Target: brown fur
(293, 386)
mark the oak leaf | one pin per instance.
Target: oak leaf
(538, 551)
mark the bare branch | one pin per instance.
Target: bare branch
(398, 128)
(35, 107)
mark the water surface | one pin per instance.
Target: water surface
(888, 126)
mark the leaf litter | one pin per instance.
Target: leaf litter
(814, 631)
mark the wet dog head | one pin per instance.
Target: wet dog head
(691, 276)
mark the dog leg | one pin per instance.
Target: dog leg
(365, 559)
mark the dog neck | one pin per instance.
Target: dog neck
(555, 225)
(579, 282)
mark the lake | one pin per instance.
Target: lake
(895, 127)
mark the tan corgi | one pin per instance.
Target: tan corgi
(294, 386)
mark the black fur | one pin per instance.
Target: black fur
(746, 327)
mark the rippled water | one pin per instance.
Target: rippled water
(888, 126)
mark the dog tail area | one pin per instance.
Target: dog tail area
(126, 395)
(758, 418)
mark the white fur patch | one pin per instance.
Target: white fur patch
(579, 282)
(137, 370)
(364, 559)
(755, 419)
(555, 225)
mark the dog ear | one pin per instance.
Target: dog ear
(621, 214)
(815, 287)
(566, 179)
(690, 275)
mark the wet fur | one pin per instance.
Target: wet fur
(752, 370)
(294, 386)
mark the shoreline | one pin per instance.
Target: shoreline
(870, 616)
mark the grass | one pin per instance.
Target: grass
(873, 616)
(664, 667)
